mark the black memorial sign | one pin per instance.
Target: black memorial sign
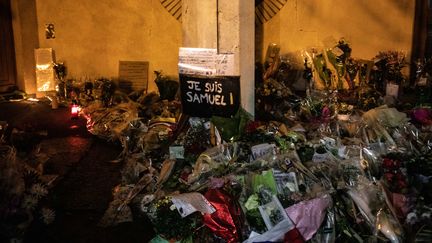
(204, 96)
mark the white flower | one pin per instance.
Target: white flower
(411, 218)
(173, 207)
(145, 201)
(39, 190)
(30, 202)
(48, 215)
(426, 215)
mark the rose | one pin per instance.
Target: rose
(391, 164)
(387, 163)
(422, 116)
(252, 126)
(388, 176)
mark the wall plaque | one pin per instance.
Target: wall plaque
(133, 75)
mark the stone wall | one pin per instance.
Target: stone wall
(93, 36)
(370, 26)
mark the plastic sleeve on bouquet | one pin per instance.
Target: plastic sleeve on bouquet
(373, 206)
(309, 215)
(284, 231)
(212, 158)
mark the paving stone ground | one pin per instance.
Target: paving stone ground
(83, 189)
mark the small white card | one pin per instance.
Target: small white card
(392, 90)
(273, 213)
(188, 203)
(176, 152)
(262, 150)
(319, 157)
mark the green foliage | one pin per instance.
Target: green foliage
(168, 222)
(232, 128)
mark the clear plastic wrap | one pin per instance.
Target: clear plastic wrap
(109, 123)
(337, 53)
(276, 234)
(132, 138)
(212, 158)
(117, 212)
(380, 124)
(372, 204)
(372, 160)
(388, 117)
(327, 232)
(188, 203)
(322, 74)
(319, 109)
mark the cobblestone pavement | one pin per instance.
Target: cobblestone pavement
(85, 179)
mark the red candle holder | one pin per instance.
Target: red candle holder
(74, 111)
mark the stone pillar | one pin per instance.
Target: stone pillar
(228, 25)
(199, 23)
(236, 22)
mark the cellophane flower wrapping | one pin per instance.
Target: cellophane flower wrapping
(309, 215)
(373, 205)
(227, 221)
(326, 158)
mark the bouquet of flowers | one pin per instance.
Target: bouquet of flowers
(338, 56)
(394, 178)
(388, 68)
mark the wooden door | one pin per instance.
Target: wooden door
(7, 51)
(429, 32)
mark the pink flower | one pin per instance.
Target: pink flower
(422, 115)
(325, 113)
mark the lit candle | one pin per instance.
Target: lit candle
(74, 111)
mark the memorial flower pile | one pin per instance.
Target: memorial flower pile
(317, 168)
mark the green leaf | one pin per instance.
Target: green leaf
(232, 128)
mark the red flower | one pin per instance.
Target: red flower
(396, 164)
(400, 176)
(388, 176)
(391, 164)
(293, 236)
(252, 126)
(387, 163)
(402, 184)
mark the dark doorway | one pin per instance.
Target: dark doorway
(422, 35)
(7, 51)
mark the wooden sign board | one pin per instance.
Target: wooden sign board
(133, 75)
(204, 96)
